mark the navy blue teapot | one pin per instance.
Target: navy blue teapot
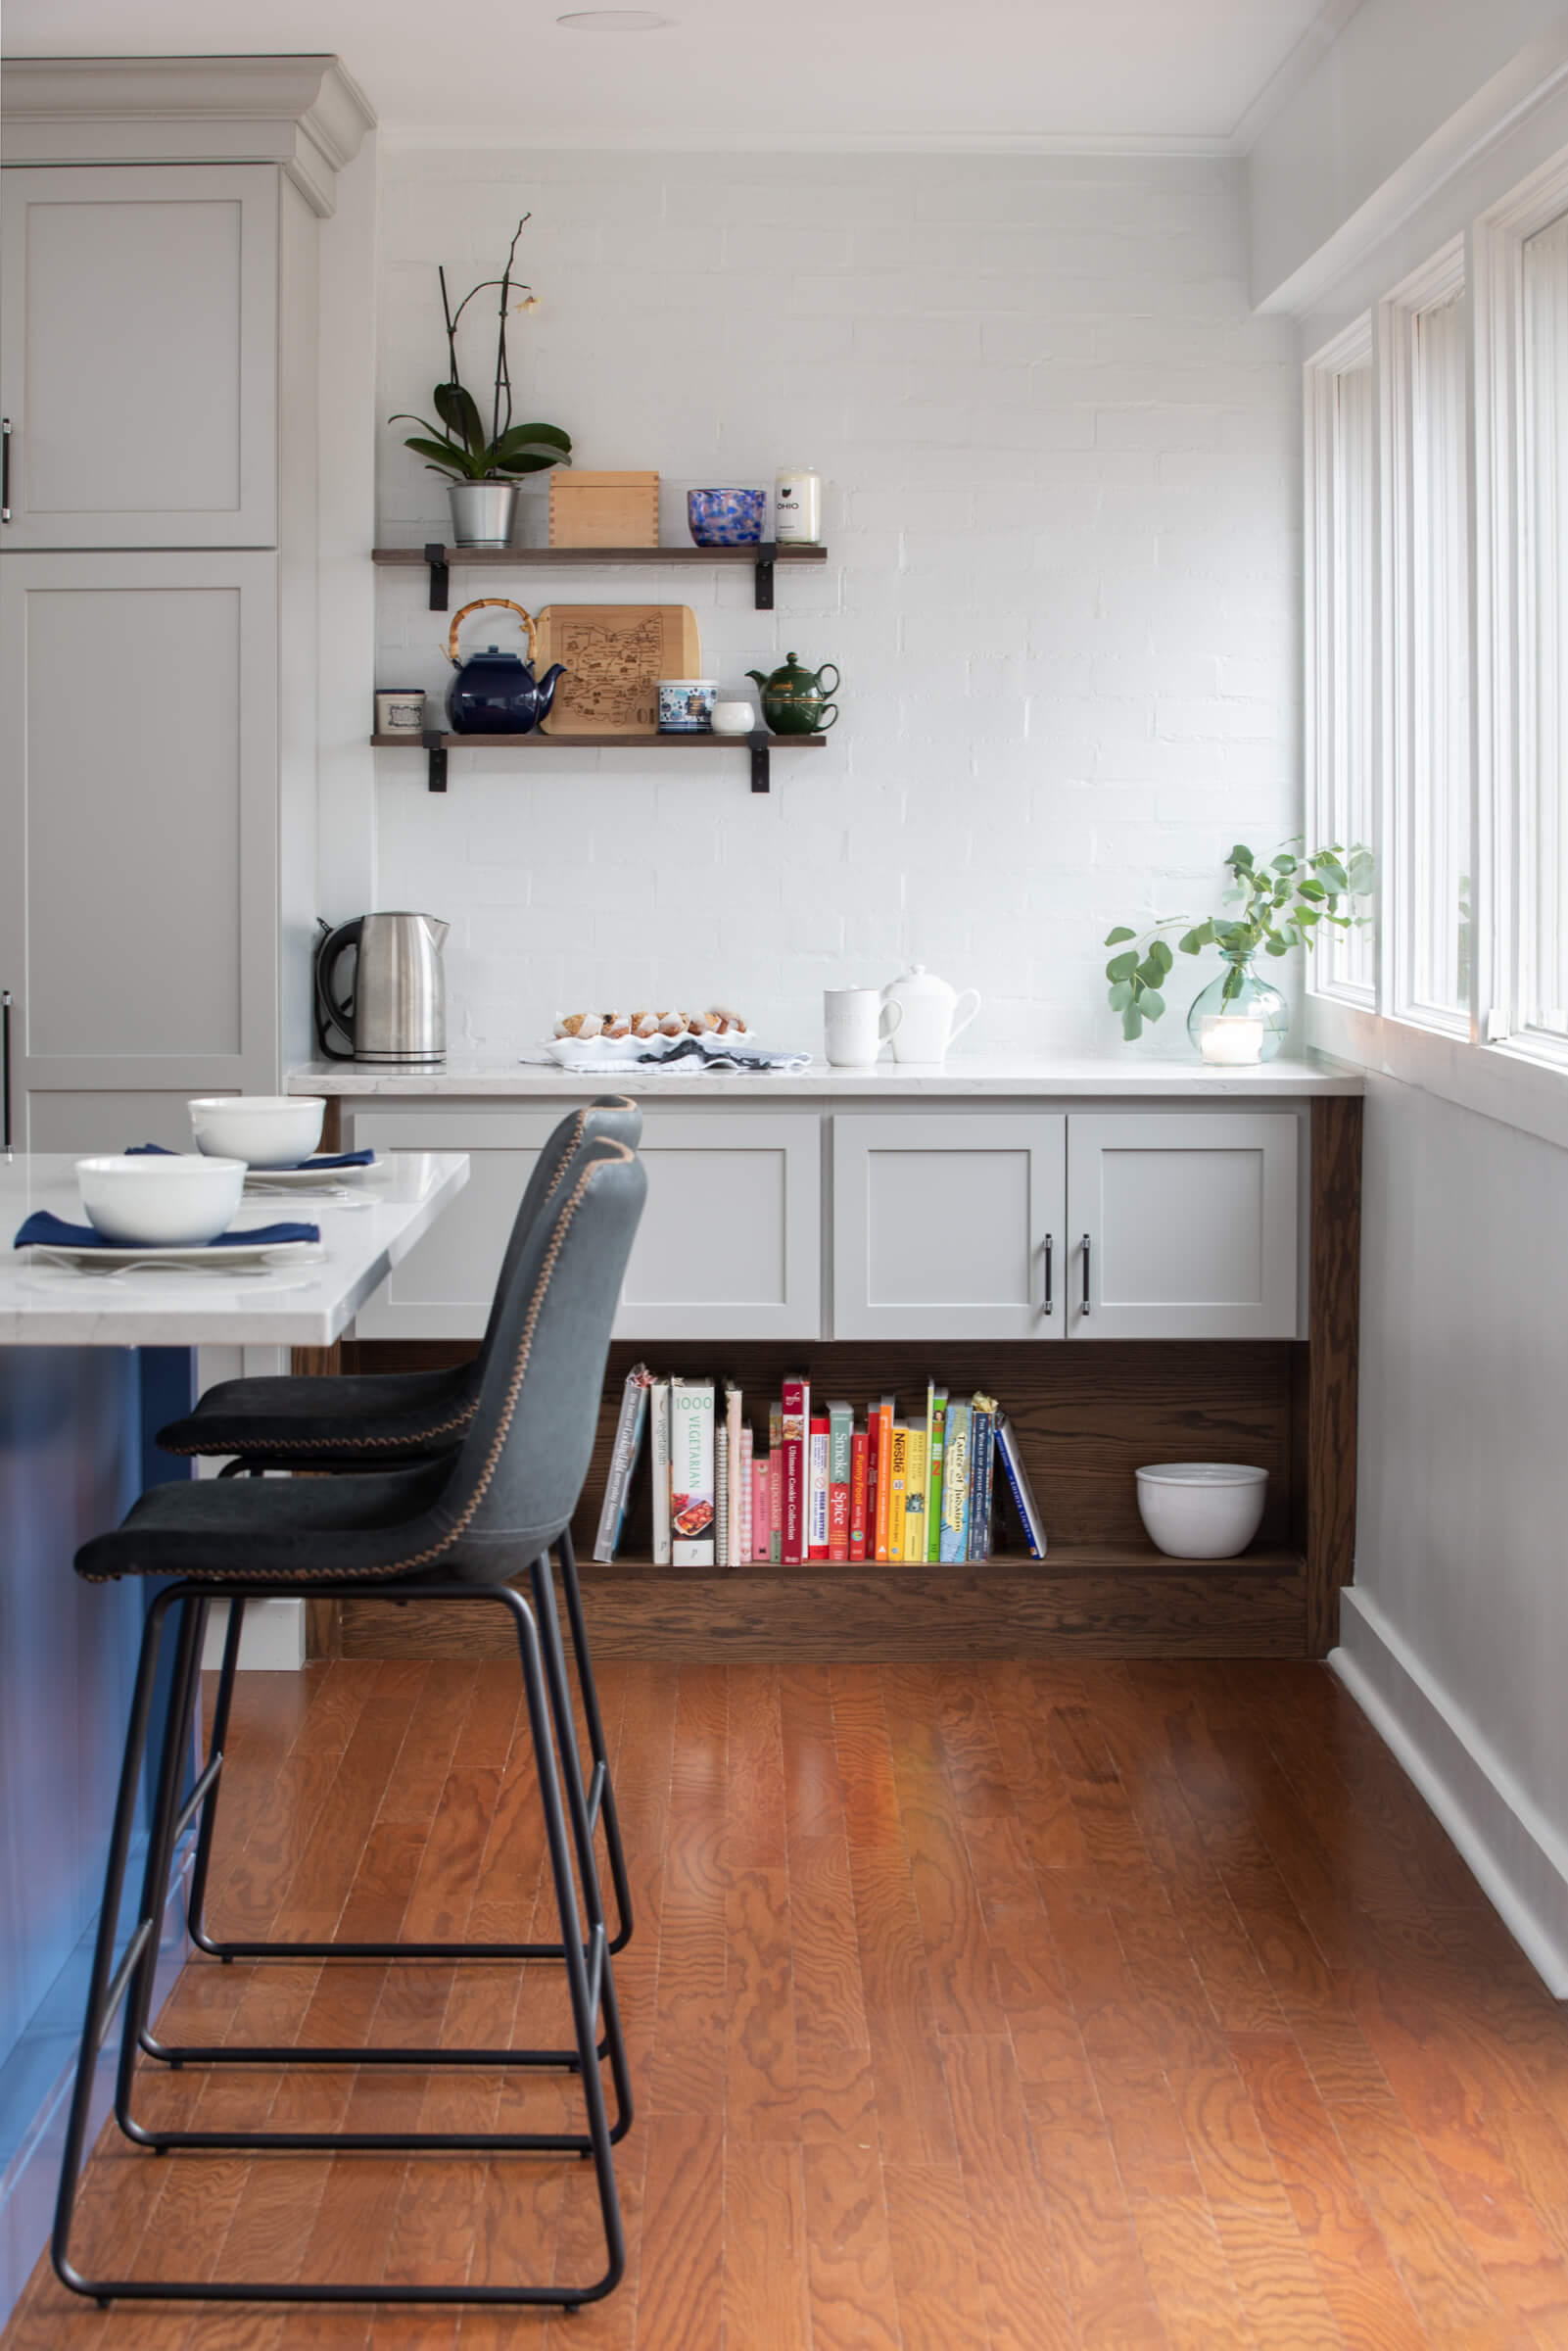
(495, 692)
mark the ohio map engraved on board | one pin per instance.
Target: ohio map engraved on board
(613, 673)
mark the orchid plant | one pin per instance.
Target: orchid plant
(461, 448)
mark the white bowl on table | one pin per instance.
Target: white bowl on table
(1200, 1510)
(170, 1200)
(265, 1130)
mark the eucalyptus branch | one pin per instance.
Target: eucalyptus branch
(1285, 902)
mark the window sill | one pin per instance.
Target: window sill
(1507, 1082)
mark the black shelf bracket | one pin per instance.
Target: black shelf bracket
(437, 751)
(767, 548)
(439, 581)
(758, 740)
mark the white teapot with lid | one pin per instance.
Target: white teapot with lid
(930, 1016)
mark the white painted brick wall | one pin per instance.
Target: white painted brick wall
(1060, 461)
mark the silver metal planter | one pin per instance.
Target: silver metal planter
(482, 512)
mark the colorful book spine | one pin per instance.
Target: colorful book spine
(915, 1499)
(739, 1484)
(859, 1491)
(796, 1414)
(623, 1457)
(1018, 1486)
(980, 1477)
(775, 1551)
(761, 1508)
(817, 1487)
(840, 1438)
(744, 1548)
(935, 1474)
(956, 1485)
(897, 1481)
(873, 1447)
(659, 1454)
(691, 1472)
(885, 1478)
(721, 1498)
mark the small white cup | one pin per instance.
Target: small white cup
(733, 719)
(857, 1022)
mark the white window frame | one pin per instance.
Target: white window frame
(1505, 634)
(1331, 552)
(1404, 692)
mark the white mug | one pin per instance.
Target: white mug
(857, 1022)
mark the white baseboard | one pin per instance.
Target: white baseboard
(272, 1640)
(1519, 1858)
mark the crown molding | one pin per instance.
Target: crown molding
(1293, 71)
(676, 140)
(306, 114)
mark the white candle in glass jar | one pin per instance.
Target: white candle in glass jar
(1235, 1041)
(797, 507)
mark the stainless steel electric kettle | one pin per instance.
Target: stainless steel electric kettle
(396, 1007)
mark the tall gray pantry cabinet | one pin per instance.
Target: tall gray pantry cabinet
(158, 581)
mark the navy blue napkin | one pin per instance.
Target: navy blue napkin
(52, 1232)
(323, 1161)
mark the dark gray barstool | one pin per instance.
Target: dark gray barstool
(453, 1529)
(380, 1420)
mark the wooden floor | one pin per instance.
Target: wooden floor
(973, 2008)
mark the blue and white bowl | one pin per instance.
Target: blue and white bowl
(725, 517)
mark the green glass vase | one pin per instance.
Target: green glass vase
(1238, 1020)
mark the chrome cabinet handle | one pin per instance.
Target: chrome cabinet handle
(1046, 1306)
(1085, 1273)
(5, 469)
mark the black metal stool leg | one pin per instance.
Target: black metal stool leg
(587, 1975)
(169, 1824)
(601, 1793)
(216, 1746)
(107, 1986)
(571, 1772)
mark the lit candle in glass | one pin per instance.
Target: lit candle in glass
(1233, 1042)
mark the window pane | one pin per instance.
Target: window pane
(1347, 959)
(1543, 616)
(1438, 781)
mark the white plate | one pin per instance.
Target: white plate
(203, 1258)
(303, 1179)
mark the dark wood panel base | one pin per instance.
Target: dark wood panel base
(1009, 1608)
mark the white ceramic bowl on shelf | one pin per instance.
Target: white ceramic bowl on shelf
(172, 1200)
(1200, 1510)
(265, 1130)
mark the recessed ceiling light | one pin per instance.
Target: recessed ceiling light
(615, 20)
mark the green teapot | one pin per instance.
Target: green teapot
(794, 700)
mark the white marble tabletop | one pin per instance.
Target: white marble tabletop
(366, 1227)
(1110, 1076)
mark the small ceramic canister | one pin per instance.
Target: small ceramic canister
(686, 705)
(400, 710)
(735, 718)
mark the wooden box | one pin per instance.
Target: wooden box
(604, 510)
(615, 657)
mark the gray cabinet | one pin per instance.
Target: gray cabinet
(729, 1247)
(1183, 1224)
(139, 805)
(949, 1225)
(138, 354)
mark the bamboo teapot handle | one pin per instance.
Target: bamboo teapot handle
(478, 606)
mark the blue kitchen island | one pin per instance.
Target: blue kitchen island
(91, 1364)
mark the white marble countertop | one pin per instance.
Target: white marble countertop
(1117, 1077)
(304, 1304)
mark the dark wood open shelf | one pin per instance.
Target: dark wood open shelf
(761, 555)
(436, 745)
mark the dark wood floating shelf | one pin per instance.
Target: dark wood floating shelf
(759, 744)
(762, 555)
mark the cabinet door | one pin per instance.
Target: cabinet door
(948, 1226)
(729, 1246)
(443, 1286)
(138, 354)
(138, 830)
(1182, 1225)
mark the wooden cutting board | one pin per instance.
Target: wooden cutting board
(615, 657)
